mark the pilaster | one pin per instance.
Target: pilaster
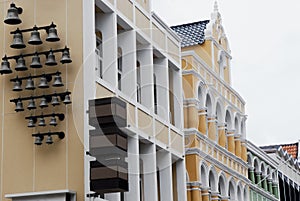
(222, 134)
(230, 141)
(211, 122)
(202, 125)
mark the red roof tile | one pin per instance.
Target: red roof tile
(292, 149)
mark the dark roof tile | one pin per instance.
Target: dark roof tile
(191, 33)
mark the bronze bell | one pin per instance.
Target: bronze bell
(42, 121)
(36, 63)
(51, 59)
(17, 85)
(38, 140)
(49, 140)
(67, 99)
(18, 40)
(31, 105)
(5, 67)
(52, 34)
(65, 59)
(57, 81)
(12, 17)
(35, 38)
(21, 66)
(55, 101)
(43, 103)
(31, 123)
(29, 84)
(53, 121)
(19, 106)
(43, 83)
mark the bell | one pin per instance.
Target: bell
(12, 17)
(35, 38)
(17, 85)
(43, 83)
(52, 34)
(49, 140)
(43, 102)
(31, 105)
(5, 67)
(31, 123)
(57, 81)
(38, 140)
(53, 121)
(65, 59)
(19, 106)
(36, 62)
(42, 122)
(55, 101)
(18, 40)
(30, 84)
(21, 66)
(51, 59)
(67, 99)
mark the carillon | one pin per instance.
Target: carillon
(43, 80)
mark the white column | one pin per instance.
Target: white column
(126, 40)
(133, 169)
(107, 24)
(164, 164)
(181, 180)
(148, 155)
(145, 57)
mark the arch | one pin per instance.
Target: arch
(269, 171)
(256, 164)
(243, 129)
(201, 93)
(232, 189)
(203, 174)
(222, 188)
(250, 159)
(263, 168)
(239, 193)
(237, 125)
(208, 104)
(212, 179)
(219, 113)
(245, 196)
(228, 119)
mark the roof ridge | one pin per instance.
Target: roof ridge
(190, 23)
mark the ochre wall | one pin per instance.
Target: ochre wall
(26, 167)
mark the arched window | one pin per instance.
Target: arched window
(120, 68)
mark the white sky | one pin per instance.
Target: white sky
(263, 37)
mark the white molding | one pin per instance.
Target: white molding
(55, 192)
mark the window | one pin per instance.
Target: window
(138, 82)
(120, 68)
(99, 54)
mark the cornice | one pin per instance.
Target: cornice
(220, 149)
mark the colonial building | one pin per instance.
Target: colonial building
(263, 174)
(214, 115)
(286, 156)
(115, 128)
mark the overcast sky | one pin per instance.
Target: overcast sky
(264, 40)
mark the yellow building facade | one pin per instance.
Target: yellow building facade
(214, 115)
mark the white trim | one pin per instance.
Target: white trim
(18, 195)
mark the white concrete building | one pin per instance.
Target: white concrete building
(129, 53)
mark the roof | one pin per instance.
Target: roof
(291, 149)
(191, 33)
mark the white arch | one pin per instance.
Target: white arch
(222, 184)
(201, 93)
(209, 103)
(256, 164)
(203, 168)
(263, 168)
(250, 159)
(228, 119)
(231, 189)
(212, 179)
(246, 196)
(219, 112)
(240, 191)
